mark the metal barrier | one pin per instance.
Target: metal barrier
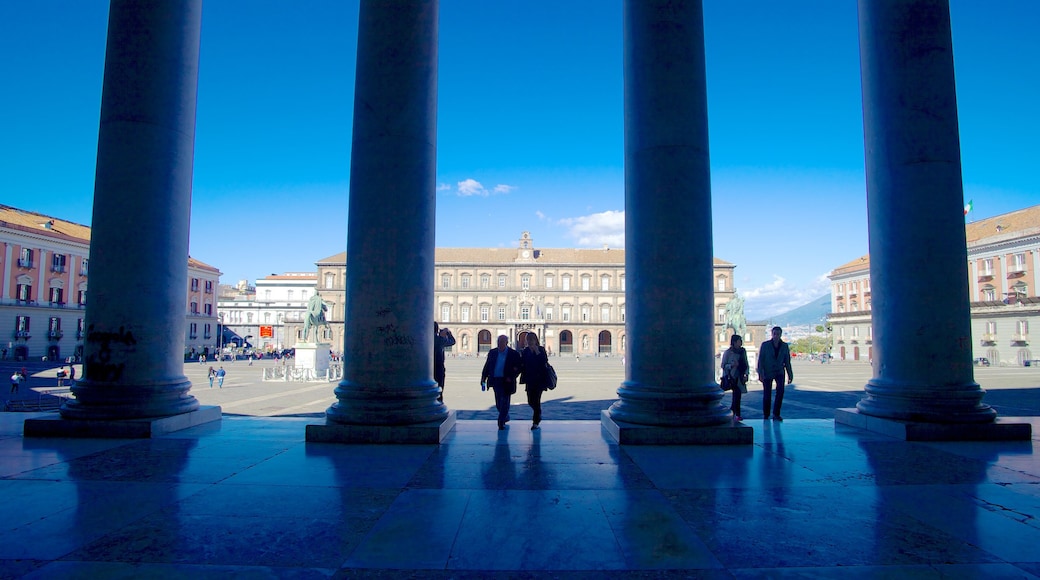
(295, 375)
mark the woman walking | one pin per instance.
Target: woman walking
(735, 369)
(212, 375)
(535, 375)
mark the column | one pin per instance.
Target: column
(670, 366)
(915, 208)
(133, 360)
(388, 342)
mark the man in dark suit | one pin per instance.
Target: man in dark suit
(500, 372)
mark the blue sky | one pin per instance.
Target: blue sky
(530, 127)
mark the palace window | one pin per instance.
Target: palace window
(465, 280)
(21, 323)
(194, 284)
(989, 293)
(566, 283)
(525, 312)
(209, 286)
(194, 307)
(26, 258)
(501, 280)
(464, 317)
(721, 315)
(566, 314)
(81, 298)
(987, 267)
(83, 266)
(485, 281)
(445, 313)
(24, 292)
(622, 283)
(330, 280)
(549, 280)
(722, 284)
(501, 312)
(208, 309)
(208, 332)
(58, 263)
(548, 312)
(622, 314)
(289, 295)
(445, 281)
(485, 313)
(267, 317)
(604, 283)
(57, 295)
(586, 283)
(604, 314)
(79, 328)
(525, 282)
(249, 317)
(193, 332)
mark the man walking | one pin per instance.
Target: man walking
(442, 339)
(500, 372)
(220, 378)
(774, 357)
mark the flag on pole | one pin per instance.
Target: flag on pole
(967, 207)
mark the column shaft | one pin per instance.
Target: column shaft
(670, 298)
(915, 199)
(133, 348)
(388, 342)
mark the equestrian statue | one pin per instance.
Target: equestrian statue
(315, 317)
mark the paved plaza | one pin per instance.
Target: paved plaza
(586, 388)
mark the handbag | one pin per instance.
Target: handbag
(727, 382)
(551, 374)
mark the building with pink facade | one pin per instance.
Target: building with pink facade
(1003, 275)
(44, 262)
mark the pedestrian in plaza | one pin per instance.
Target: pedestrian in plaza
(442, 339)
(61, 376)
(501, 368)
(72, 374)
(735, 368)
(16, 381)
(5, 354)
(774, 357)
(202, 359)
(534, 376)
(220, 378)
(212, 375)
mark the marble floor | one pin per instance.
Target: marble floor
(249, 498)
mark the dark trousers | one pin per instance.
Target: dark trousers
(534, 399)
(735, 405)
(767, 387)
(439, 373)
(503, 396)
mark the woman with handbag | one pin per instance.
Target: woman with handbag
(735, 370)
(535, 376)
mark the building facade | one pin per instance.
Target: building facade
(45, 266)
(270, 317)
(1003, 273)
(573, 299)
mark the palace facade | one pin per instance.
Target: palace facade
(1003, 274)
(573, 299)
(44, 262)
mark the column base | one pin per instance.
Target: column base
(145, 428)
(432, 432)
(1001, 429)
(633, 434)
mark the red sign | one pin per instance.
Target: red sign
(266, 332)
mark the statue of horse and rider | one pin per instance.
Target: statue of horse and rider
(315, 317)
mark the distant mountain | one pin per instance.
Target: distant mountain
(808, 315)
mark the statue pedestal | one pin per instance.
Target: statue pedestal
(312, 356)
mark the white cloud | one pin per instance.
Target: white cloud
(596, 229)
(469, 187)
(443, 187)
(540, 215)
(779, 296)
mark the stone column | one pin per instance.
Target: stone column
(915, 207)
(388, 342)
(670, 366)
(133, 349)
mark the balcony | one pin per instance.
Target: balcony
(1020, 338)
(23, 263)
(22, 334)
(985, 275)
(55, 334)
(56, 304)
(80, 334)
(58, 268)
(1016, 270)
(988, 339)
